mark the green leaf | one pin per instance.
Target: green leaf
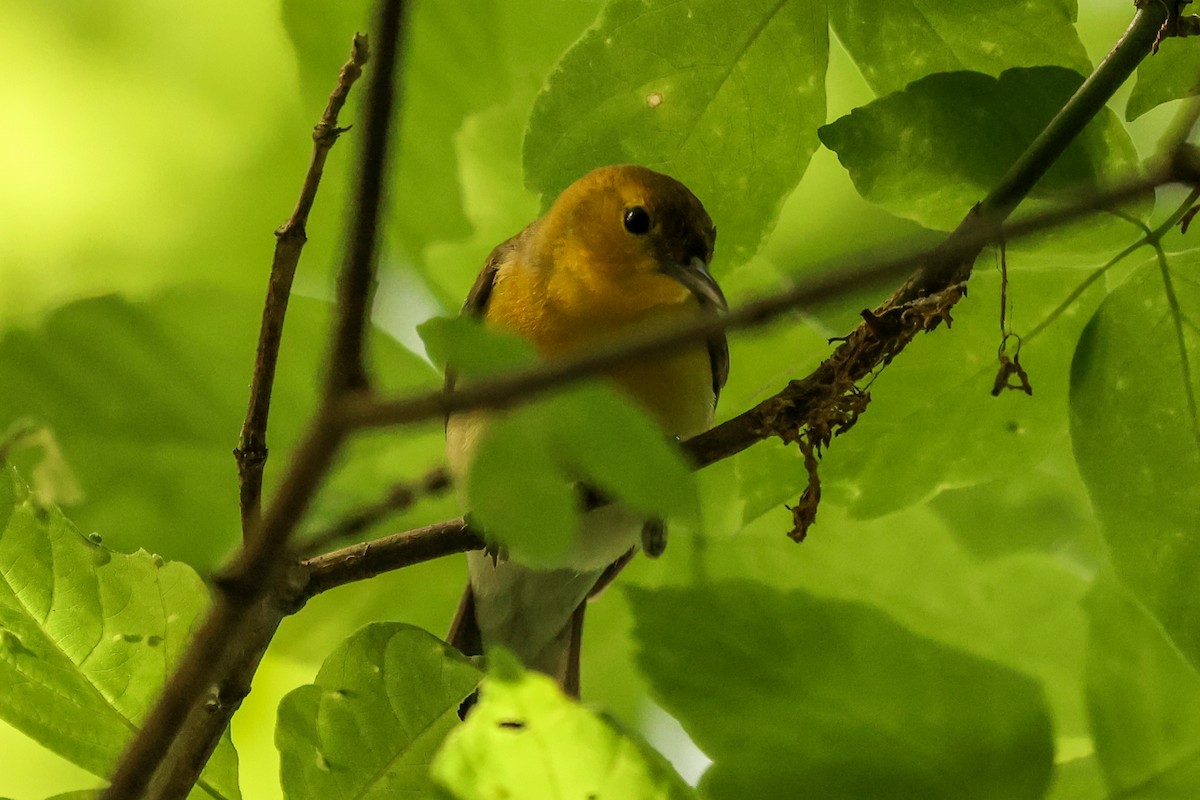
(495, 198)
(917, 154)
(722, 97)
(472, 349)
(911, 566)
(896, 42)
(88, 637)
(526, 739)
(146, 400)
(1144, 699)
(379, 709)
(539, 454)
(943, 385)
(1078, 779)
(1167, 75)
(459, 59)
(1137, 438)
(518, 492)
(792, 695)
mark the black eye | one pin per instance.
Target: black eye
(637, 221)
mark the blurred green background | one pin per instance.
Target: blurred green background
(149, 155)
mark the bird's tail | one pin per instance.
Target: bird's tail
(559, 658)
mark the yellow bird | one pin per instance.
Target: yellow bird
(622, 247)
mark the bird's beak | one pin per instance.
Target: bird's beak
(694, 275)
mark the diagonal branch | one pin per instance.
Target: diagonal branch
(290, 238)
(919, 304)
(256, 588)
(225, 645)
(769, 418)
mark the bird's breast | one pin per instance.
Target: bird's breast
(676, 389)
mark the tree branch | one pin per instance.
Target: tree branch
(258, 569)
(251, 595)
(347, 366)
(399, 497)
(290, 238)
(372, 558)
(361, 561)
(884, 332)
(832, 280)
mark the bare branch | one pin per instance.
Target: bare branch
(262, 564)
(347, 366)
(290, 238)
(361, 561)
(254, 588)
(398, 498)
(830, 281)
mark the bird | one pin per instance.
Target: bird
(621, 248)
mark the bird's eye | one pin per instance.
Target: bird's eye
(637, 221)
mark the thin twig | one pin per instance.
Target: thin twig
(260, 571)
(261, 565)
(347, 365)
(392, 552)
(361, 561)
(399, 497)
(290, 237)
(830, 281)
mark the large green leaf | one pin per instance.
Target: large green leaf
(370, 724)
(792, 695)
(895, 42)
(1171, 73)
(146, 400)
(1137, 437)
(1144, 699)
(911, 566)
(523, 480)
(917, 154)
(724, 97)
(88, 637)
(526, 739)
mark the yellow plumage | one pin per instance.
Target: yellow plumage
(622, 247)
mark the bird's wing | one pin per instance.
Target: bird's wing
(475, 305)
(718, 356)
(481, 291)
(464, 630)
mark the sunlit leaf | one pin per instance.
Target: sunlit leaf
(471, 349)
(379, 709)
(523, 483)
(1136, 435)
(1144, 699)
(88, 637)
(895, 42)
(526, 739)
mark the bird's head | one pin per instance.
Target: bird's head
(633, 237)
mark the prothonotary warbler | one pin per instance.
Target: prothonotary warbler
(622, 247)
